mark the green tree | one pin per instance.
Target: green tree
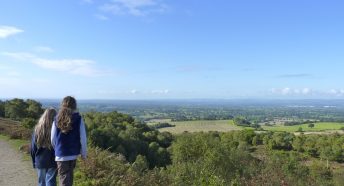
(140, 165)
(34, 109)
(300, 129)
(2, 109)
(120, 133)
(202, 159)
(241, 121)
(298, 143)
(321, 173)
(311, 125)
(29, 123)
(16, 109)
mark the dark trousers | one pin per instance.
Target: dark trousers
(65, 171)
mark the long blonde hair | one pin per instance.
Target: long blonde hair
(43, 128)
(64, 117)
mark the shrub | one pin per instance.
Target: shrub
(29, 123)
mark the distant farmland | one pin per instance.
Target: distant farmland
(227, 125)
(201, 125)
(318, 127)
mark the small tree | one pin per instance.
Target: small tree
(29, 123)
(140, 165)
(311, 125)
(300, 129)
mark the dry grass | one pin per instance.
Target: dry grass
(14, 129)
(201, 125)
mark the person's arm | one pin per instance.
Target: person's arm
(53, 134)
(83, 139)
(33, 150)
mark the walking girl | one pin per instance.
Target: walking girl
(42, 152)
(68, 137)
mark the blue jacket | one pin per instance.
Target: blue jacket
(68, 144)
(42, 158)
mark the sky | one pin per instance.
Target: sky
(172, 49)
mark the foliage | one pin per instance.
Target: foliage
(291, 123)
(119, 133)
(34, 109)
(14, 129)
(29, 123)
(15, 109)
(126, 152)
(2, 109)
(241, 121)
(161, 125)
(208, 159)
(105, 168)
(299, 129)
(18, 109)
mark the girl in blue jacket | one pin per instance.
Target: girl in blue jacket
(68, 136)
(42, 152)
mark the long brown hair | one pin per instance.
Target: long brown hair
(64, 117)
(43, 128)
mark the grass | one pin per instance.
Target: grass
(201, 125)
(227, 125)
(16, 144)
(318, 127)
(156, 121)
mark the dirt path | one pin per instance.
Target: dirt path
(14, 171)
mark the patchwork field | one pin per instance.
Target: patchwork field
(318, 127)
(227, 125)
(201, 125)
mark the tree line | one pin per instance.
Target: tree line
(26, 111)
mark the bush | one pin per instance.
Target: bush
(119, 133)
(161, 125)
(29, 123)
(311, 125)
(14, 130)
(105, 168)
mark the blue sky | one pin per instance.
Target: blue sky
(163, 49)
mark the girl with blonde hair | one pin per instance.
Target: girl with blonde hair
(68, 136)
(42, 152)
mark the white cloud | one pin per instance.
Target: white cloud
(41, 80)
(72, 66)
(336, 92)
(134, 7)
(306, 91)
(291, 91)
(6, 31)
(101, 17)
(134, 91)
(286, 91)
(43, 49)
(294, 92)
(88, 1)
(13, 73)
(3, 67)
(166, 91)
(19, 55)
(9, 81)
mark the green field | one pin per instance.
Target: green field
(318, 127)
(201, 125)
(227, 125)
